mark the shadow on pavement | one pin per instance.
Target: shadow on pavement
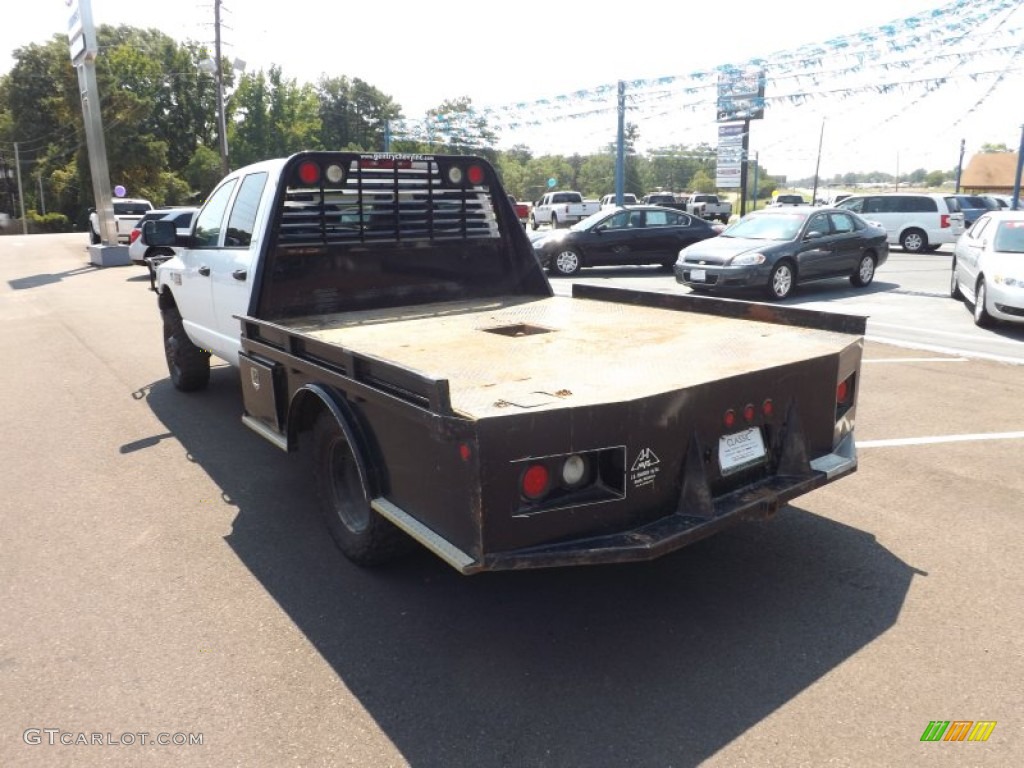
(662, 663)
(35, 281)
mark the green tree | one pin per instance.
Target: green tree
(702, 182)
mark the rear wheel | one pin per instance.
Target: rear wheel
(363, 536)
(865, 271)
(533, 222)
(981, 316)
(914, 241)
(188, 365)
(781, 281)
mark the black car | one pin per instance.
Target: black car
(631, 234)
(777, 248)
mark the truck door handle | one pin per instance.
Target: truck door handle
(240, 274)
(204, 271)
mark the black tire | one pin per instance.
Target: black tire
(781, 281)
(954, 284)
(914, 241)
(554, 222)
(533, 222)
(188, 365)
(865, 271)
(362, 535)
(934, 248)
(982, 318)
(567, 262)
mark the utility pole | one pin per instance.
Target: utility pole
(1020, 166)
(817, 165)
(21, 196)
(620, 149)
(959, 166)
(222, 122)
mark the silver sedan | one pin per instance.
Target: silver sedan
(988, 268)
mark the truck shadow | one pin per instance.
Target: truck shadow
(651, 664)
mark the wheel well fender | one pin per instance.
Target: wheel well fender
(307, 405)
(165, 299)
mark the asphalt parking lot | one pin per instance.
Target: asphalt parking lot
(163, 574)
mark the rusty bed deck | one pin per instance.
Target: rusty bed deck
(559, 351)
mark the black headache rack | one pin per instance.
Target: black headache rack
(357, 232)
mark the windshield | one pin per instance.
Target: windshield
(1010, 237)
(767, 226)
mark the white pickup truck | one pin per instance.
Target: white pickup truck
(127, 212)
(709, 207)
(392, 308)
(561, 209)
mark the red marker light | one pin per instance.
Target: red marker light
(749, 412)
(475, 174)
(768, 407)
(729, 419)
(842, 391)
(309, 172)
(535, 481)
(464, 452)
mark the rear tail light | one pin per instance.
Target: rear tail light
(134, 235)
(536, 482)
(571, 478)
(944, 220)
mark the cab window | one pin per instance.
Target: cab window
(211, 218)
(243, 212)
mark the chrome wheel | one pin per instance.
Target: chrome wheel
(780, 285)
(567, 262)
(865, 272)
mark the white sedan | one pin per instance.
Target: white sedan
(988, 268)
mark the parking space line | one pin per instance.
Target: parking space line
(918, 360)
(901, 441)
(947, 350)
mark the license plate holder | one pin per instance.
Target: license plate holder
(698, 275)
(740, 450)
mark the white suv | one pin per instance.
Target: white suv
(917, 221)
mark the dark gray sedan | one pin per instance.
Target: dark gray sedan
(776, 249)
(631, 234)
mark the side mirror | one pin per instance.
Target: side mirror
(814, 234)
(159, 232)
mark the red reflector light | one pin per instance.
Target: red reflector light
(475, 174)
(749, 412)
(464, 453)
(536, 480)
(944, 220)
(729, 419)
(309, 172)
(842, 391)
(768, 407)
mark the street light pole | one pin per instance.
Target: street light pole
(222, 122)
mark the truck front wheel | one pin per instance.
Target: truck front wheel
(362, 535)
(188, 365)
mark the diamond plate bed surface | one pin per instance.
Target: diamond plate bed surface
(555, 352)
